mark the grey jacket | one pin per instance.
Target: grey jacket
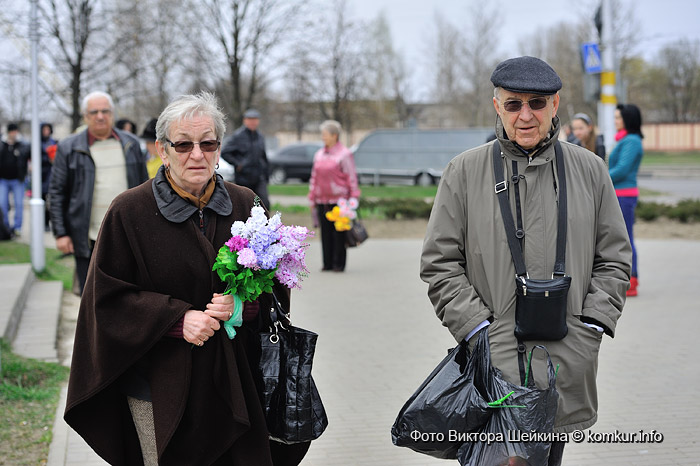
(470, 274)
(73, 182)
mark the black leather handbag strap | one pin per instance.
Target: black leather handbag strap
(514, 236)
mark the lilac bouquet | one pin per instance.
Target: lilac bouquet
(260, 249)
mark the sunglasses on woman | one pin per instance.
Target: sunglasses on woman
(536, 103)
(183, 147)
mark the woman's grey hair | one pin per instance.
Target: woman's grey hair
(92, 95)
(331, 126)
(186, 107)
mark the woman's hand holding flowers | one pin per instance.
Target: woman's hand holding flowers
(198, 326)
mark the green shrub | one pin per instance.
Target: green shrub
(687, 210)
(395, 208)
(650, 211)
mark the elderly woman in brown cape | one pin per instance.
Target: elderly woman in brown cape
(155, 379)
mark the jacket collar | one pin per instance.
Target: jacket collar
(177, 210)
(514, 152)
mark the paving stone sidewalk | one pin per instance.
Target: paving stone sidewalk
(379, 338)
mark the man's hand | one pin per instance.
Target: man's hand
(65, 244)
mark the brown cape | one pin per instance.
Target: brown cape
(145, 273)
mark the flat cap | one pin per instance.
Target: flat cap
(528, 75)
(251, 113)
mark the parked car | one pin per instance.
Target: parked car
(226, 170)
(412, 155)
(292, 161)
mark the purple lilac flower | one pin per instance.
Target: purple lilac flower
(247, 258)
(236, 243)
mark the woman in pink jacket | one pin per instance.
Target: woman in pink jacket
(333, 177)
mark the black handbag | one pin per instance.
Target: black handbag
(292, 405)
(356, 235)
(448, 403)
(540, 310)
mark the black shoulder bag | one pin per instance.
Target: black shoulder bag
(293, 409)
(540, 309)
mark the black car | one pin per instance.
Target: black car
(293, 161)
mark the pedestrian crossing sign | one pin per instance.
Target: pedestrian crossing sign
(592, 62)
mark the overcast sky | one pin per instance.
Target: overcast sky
(412, 21)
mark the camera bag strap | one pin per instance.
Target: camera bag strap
(515, 236)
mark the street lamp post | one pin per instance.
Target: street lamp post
(36, 203)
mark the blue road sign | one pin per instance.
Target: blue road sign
(592, 63)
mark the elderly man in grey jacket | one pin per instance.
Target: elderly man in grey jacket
(467, 262)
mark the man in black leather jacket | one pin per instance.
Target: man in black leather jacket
(14, 157)
(90, 169)
(245, 150)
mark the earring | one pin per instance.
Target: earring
(217, 165)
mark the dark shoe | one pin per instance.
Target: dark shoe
(338, 269)
(634, 283)
(326, 269)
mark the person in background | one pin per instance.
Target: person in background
(569, 133)
(585, 133)
(90, 169)
(624, 165)
(153, 160)
(333, 177)
(125, 124)
(14, 164)
(48, 154)
(245, 150)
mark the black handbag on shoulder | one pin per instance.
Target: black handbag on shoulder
(292, 406)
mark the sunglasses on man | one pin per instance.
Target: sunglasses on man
(184, 147)
(536, 103)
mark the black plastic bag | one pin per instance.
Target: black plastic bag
(527, 410)
(445, 405)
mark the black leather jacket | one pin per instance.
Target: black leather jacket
(14, 160)
(73, 182)
(245, 150)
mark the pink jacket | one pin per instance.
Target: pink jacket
(333, 175)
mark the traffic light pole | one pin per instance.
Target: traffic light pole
(608, 99)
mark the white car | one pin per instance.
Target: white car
(226, 170)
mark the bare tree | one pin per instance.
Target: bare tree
(384, 81)
(341, 66)
(681, 61)
(77, 47)
(152, 45)
(478, 45)
(446, 53)
(299, 84)
(246, 32)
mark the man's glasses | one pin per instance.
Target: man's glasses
(536, 103)
(184, 147)
(105, 111)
